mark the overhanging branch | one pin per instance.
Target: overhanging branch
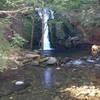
(24, 11)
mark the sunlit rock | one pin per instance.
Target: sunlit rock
(19, 82)
(32, 55)
(95, 49)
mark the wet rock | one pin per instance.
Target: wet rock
(62, 65)
(12, 65)
(90, 60)
(35, 63)
(51, 60)
(75, 62)
(93, 93)
(85, 58)
(26, 61)
(97, 65)
(20, 85)
(66, 59)
(11, 98)
(43, 59)
(58, 68)
(73, 70)
(97, 59)
(14, 68)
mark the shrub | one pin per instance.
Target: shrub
(5, 49)
(17, 41)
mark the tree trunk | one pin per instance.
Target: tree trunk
(4, 14)
(99, 2)
(24, 11)
(32, 35)
(43, 31)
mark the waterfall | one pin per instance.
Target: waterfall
(46, 14)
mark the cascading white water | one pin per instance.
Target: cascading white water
(45, 15)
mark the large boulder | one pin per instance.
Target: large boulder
(51, 61)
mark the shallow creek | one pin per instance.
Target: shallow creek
(54, 82)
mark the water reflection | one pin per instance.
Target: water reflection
(49, 77)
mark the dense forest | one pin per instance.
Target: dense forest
(72, 26)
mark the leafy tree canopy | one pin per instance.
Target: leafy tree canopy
(88, 9)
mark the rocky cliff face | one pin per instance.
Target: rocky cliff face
(66, 32)
(95, 37)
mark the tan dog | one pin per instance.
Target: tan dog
(95, 49)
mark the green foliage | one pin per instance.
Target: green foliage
(88, 9)
(87, 17)
(3, 4)
(5, 49)
(17, 41)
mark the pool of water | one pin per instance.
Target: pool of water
(44, 83)
(64, 53)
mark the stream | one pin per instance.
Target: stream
(45, 83)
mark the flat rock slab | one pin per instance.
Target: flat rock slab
(32, 55)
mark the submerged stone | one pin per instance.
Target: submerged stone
(75, 62)
(20, 85)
